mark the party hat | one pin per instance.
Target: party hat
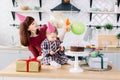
(21, 17)
(50, 28)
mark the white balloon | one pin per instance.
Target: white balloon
(58, 19)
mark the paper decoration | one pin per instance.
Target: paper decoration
(50, 28)
(21, 17)
(67, 24)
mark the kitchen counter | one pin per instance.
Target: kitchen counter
(63, 73)
(106, 50)
(111, 50)
(13, 48)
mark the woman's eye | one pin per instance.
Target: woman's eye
(32, 23)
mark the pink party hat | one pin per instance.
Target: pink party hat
(50, 28)
(21, 17)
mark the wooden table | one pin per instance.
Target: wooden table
(13, 48)
(63, 73)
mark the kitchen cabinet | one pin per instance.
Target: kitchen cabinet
(114, 58)
(9, 56)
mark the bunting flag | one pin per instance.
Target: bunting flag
(21, 17)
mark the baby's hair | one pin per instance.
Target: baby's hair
(55, 31)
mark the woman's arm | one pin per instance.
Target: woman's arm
(62, 36)
(34, 51)
(67, 29)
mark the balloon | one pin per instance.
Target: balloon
(58, 19)
(77, 28)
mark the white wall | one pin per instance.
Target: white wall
(9, 31)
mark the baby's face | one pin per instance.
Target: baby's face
(52, 36)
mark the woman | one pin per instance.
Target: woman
(32, 35)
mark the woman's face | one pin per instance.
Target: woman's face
(33, 26)
(52, 36)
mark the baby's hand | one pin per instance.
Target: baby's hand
(62, 48)
(52, 52)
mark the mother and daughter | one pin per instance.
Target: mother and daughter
(43, 42)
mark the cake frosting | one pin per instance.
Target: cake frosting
(77, 47)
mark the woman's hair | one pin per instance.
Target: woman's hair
(24, 33)
(55, 31)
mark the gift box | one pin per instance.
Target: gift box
(98, 62)
(28, 65)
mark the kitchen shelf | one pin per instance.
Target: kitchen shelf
(13, 11)
(26, 11)
(104, 12)
(100, 12)
(18, 10)
(91, 1)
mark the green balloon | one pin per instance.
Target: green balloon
(77, 28)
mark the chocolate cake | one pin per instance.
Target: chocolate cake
(76, 48)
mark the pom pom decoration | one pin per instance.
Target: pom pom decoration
(21, 17)
(67, 25)
(77, 28)
(50, 28)
(58, 19)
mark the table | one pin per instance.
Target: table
(13, 48)
(76, 68)
(59, 74)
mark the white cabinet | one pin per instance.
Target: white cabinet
(114, 58)
(9, 56)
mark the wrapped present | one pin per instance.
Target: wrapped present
(99, 62)
(28, 65)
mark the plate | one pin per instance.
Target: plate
(86, 67)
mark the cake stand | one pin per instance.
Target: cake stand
(76, 68)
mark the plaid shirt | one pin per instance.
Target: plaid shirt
(59, 56)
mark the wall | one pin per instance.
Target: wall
(11, 34)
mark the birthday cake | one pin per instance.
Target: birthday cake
(76, 48)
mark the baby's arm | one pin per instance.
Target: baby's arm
(45, 48)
